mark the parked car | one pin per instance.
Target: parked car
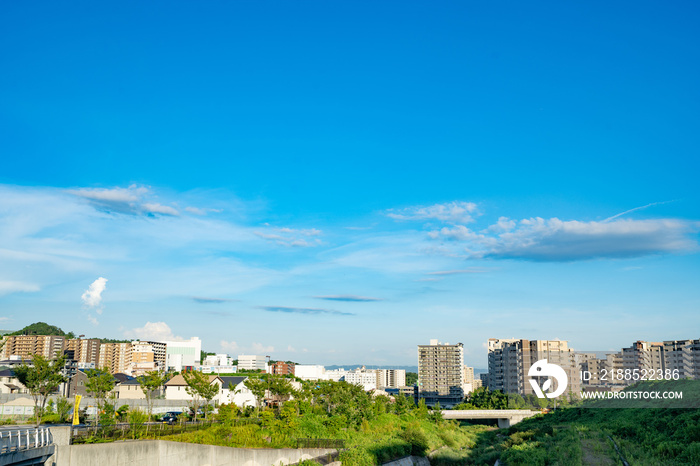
(170, 417)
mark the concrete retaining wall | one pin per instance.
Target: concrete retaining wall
(409, 461)
(165, 453)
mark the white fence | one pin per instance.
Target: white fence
(24, 439)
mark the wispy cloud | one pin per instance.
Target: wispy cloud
(7, 287)
(304, 310)
(202, 300)
(349, 298)
(155, 208)
(457, 272)
(291, 237)
(451, 212)
(134, 200)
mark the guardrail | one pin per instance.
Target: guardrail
(24, 439)
(109, 433)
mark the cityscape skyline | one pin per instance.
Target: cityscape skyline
(329, 186)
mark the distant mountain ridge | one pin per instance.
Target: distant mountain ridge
(368, 366)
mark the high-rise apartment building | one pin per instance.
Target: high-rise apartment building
(682, 356)
(510, 362)
(500, 368)
(116, 357)
(441, 373)
(85, 351)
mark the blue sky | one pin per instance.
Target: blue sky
(338, 182)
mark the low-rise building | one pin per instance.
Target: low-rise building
(176, 388)
(252, 362)
(281, 368)
(310, 372)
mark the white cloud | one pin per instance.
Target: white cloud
(123, 200)
(539, 239)
(92, 319)
(117, 195)
(259, 348)
(131, 200)
(228, 346)
(92, 297)
(290, 349)
(458, 233)
(451, 212)
(503, 224)
(154, 208)
(153, 331)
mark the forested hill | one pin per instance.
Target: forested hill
(42, 328)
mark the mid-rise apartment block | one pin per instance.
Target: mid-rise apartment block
(468, 382)
(142, 358)
(391, 378)
(441, 373)
(26, 346)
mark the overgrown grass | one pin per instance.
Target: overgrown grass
(382, 439)
(581, 436)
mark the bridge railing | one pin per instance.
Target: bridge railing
(24, 439)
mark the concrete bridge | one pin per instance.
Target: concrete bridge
(25, 446)
(505, 417)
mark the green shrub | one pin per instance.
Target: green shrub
(415, 437)
(51, 419)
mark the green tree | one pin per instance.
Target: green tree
(63, 407)
(199, 387)
(280, 388)
(411, 378)
(150, 384)
(41, 378)
(258, 387)
(483, 398)
(403, 404)
(99, 384)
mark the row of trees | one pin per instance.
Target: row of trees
(44, 376)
